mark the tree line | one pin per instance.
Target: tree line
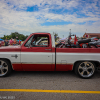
(15, 35)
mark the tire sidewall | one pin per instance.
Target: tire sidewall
(9, 68)
(77, 66)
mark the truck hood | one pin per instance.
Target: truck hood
(10, 49)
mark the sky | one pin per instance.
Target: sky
(59, 16)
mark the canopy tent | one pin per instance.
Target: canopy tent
(63, 39)
(18, 40)
(1, 39)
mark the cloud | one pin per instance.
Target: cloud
(77, 29)
(15, 17)
(1, 33)
(42, 4)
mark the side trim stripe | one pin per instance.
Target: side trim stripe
(40, 63)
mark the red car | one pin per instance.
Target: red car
(1, 43)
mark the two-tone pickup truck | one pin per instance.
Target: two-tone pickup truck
(35, 55)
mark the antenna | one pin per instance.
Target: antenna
(86, 30)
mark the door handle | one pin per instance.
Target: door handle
(48, 49)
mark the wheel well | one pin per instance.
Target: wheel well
(7, 60)
(95, 62)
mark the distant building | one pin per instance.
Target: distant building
(90, 35)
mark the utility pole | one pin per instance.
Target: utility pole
(86, 30)
(70, 32)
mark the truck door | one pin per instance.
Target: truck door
(36, 53)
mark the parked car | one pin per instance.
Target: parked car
(2, 43)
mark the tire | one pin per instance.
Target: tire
(84, 41)
(85, 69)
(5, 68)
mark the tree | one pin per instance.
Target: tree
(56, 36)
(14, 35)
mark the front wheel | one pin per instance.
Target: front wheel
(5, 68)
(85, 69)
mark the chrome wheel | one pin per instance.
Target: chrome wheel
(3, 68)
(86, 69)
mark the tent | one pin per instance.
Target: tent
(18, 40)
(63, 39)
(1, 39)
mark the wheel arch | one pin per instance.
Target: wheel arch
(8, 61)
(95, 62)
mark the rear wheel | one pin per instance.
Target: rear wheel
(85, 69)
(5, 68)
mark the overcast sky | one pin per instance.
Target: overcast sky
(29, 16)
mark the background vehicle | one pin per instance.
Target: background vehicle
(1, 42)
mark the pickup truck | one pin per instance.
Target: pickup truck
(31, 56)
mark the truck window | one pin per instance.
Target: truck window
(28, 43)
(40, 42)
